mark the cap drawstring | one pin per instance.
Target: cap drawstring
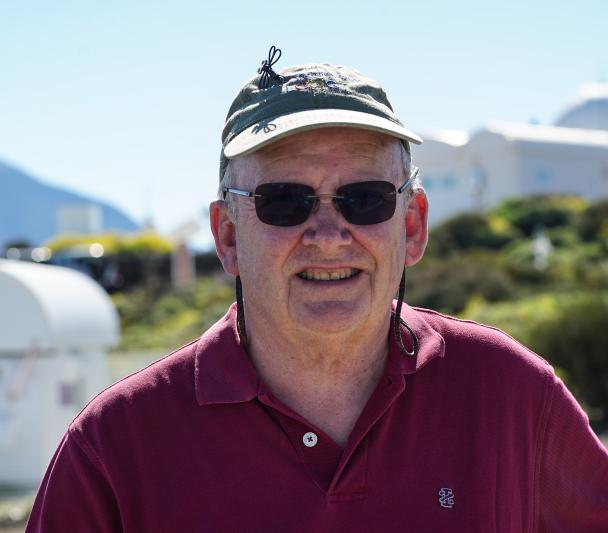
(398, 322)
(240, 313)
(266, 72)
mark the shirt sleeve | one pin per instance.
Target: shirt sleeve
(573, 478)
(74, 495)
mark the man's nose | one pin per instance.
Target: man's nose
(327, 228)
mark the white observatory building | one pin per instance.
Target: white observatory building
(55, 327)
(463, 172)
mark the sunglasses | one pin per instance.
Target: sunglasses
(288, 204)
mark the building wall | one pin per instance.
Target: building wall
(490, 168)
(467, 178)
(446, 178)
(564, 169)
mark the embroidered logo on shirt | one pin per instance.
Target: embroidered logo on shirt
(446, 498)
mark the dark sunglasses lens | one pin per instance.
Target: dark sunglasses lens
(283, 204)
(367, 202)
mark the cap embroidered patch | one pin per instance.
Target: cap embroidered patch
(317, 83)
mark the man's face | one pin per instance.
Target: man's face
(276, 264)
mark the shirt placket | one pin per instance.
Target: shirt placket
(340, 473)
(349, 480)
(315, 449)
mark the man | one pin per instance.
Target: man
(317, 403)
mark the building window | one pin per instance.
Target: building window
(543, 177)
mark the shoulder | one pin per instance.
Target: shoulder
(478, 347)
(157, 398)
(167, 380)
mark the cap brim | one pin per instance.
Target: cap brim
(263, 133)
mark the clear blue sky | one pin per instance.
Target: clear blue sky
(125, 100)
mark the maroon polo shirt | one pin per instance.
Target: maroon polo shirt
(475, 434)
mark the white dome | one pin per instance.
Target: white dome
(53, 307)
(589, 111)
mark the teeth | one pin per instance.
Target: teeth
(326, 275)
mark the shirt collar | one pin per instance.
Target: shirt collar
(430, 343)
(223, 372)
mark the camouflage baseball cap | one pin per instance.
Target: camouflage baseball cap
(271, 106)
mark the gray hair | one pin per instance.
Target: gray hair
(406, 158)
(227, 179)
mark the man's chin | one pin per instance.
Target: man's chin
(330, 317)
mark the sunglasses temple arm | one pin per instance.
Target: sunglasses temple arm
(240, 192)
(409, 181)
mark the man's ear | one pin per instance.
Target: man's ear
(224, 234)
(416, 228)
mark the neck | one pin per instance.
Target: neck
(325, 378)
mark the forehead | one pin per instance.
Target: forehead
(353, 140)
(325, 147)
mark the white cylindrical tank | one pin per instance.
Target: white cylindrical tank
(55, 328)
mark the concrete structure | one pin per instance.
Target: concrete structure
(80, 218)
(463, 172)
(55, 326)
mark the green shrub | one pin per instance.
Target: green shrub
(563, 236)
(109, 241)
(139, 244)
(468, 231)
(167, 308)
(570, 265)
(593, 222)
(133, 307)
(169, 320)
(448, 284)
(529, 213)
(519, 263)
(145, 243)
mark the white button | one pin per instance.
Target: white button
(310, 439)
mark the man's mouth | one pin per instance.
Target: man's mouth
(317, 274)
